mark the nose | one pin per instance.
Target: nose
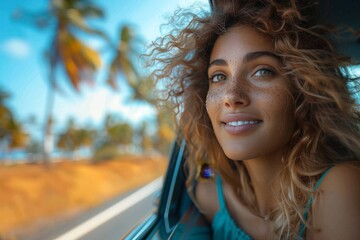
(236, 94)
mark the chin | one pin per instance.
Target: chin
(236, 156)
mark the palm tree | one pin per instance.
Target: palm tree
(6, 115)
(122, 61)
(142, 86)
(67, 50)
(11, 130)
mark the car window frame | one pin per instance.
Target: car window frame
(173, 200)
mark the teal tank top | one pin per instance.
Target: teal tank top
(224, 227)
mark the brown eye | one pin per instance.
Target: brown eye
(217, 78)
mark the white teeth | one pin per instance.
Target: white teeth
(239, 123)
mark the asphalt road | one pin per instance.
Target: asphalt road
(103, 222)
(121, 224)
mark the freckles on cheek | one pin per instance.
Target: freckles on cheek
(213, 99)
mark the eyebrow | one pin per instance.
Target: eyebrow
(254, 55)
(248, 58)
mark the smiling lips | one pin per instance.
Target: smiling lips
(239, 124)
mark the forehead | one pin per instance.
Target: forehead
(238, 41)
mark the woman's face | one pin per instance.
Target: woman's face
(249, 101)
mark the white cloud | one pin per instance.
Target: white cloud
(16, 47)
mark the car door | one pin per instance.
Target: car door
(174, 200)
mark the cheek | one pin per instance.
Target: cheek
(279, 97)
(213, 100)
(281, 106)
(286, 102)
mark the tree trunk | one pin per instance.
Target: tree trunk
(48, 141)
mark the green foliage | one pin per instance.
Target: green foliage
(114, 139)
(106, 152)
(11, 130)
(73, 138)
(121, 133)
(118, 132)
(122, 61)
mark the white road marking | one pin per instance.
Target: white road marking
(112, 211)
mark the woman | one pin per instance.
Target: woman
(263, 99)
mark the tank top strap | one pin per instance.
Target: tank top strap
(220, 192)
(308, 205)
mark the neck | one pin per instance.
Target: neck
(263, 173)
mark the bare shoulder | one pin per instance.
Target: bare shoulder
(342, 178)
(206, 196)
(336, 212)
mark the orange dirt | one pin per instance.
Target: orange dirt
(32, 192)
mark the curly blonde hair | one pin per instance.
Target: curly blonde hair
(327, 117)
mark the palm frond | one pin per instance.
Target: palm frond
(91, 11)
(77, 20)
(79, 60)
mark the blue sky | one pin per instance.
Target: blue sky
(23, 72)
